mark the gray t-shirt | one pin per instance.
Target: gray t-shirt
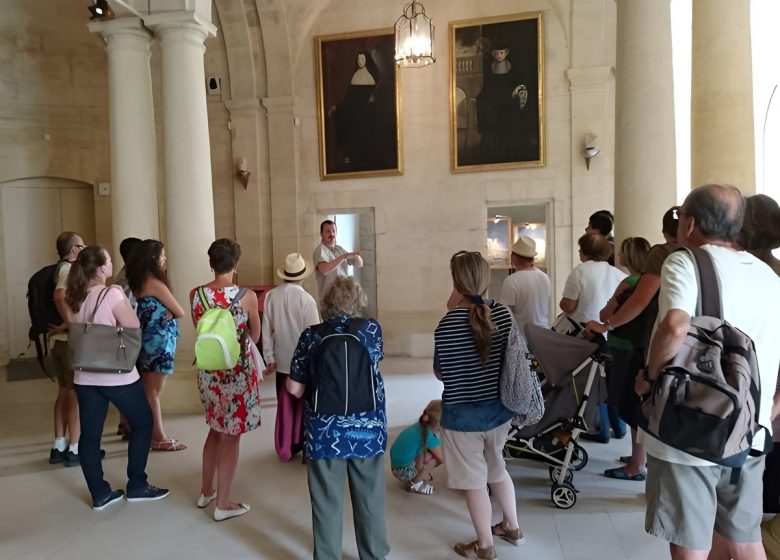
(324, 253)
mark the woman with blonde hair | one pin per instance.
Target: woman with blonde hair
(470, 343)
(417, 451)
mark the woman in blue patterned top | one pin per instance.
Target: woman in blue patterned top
(471, 341)
(350, 444)
(158, 312)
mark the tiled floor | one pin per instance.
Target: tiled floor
(45, 511)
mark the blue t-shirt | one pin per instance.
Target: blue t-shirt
(408, 445)
(357, 436)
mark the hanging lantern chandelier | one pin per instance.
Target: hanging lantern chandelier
(414, 37)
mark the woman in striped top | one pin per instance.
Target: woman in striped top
(470, 343)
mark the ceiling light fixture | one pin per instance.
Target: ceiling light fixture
(100, 10)
(414, 37)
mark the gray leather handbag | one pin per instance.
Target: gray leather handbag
(103, 348)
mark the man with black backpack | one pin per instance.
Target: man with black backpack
(693, 503)
(66, 407)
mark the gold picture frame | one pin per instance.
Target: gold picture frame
(497, 93)
(358, 105)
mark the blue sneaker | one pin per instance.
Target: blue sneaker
(148, 494)
(113, 497)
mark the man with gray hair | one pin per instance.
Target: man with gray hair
(693, 503)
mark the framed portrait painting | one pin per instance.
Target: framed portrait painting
(358, 105)
(497, 93)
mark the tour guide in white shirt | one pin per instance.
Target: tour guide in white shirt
(331, 260)
(690, 502)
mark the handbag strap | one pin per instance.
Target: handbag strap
(101, 296)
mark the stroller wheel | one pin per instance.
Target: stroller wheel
(579, 458)
(563, 495)
(555, 473)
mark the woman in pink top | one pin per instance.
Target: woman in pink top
(87, 293)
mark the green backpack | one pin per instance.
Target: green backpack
(216, 337)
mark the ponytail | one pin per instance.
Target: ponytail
(81, 272)
(471, 277)
(77, 287)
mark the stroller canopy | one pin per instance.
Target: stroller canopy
(558, 354)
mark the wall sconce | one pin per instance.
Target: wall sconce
(242, 173)
(590, 151)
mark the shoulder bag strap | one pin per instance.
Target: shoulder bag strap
(100, 298)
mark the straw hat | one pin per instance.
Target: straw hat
(295, 268)
(525, 247)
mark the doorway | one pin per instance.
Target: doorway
(34, 212)
(355, 231)
(505, 224)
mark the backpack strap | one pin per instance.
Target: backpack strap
(203, 300)
(239, 296)
(709, 303)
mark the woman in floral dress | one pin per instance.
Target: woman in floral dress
(231, 397)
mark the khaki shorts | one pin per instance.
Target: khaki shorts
(685, 503)
(475, 459)
(59, 357)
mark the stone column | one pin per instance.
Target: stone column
(722, 130)
(284, 196)
(252, 204)
(189, 203)
(134, 210)
(645, 162)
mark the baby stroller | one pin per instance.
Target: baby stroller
(573, 385)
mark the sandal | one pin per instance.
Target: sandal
(169, 444)
(621, 474)
(512, 536)
(472, 550)
(625, 459)
(421, 487)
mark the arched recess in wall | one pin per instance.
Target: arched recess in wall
(34, 211)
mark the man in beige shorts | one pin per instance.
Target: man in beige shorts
(66, 407)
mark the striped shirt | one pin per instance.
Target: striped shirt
(466, 379)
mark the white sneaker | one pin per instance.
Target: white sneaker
(222, 514)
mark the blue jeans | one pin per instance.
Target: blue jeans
(93, 408)
(608, 416)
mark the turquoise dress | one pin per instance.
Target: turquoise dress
(159, 336)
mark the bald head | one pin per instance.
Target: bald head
(718, 211)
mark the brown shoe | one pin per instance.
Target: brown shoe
(514, 536)
(472, 550)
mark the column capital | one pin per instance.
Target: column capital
(246, 105)
(125, 26)
(281, 104)
(185, 20)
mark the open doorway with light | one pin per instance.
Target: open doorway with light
(505, 224)
(355, 231)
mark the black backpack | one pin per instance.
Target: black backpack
(43, 312)
(343, 376)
